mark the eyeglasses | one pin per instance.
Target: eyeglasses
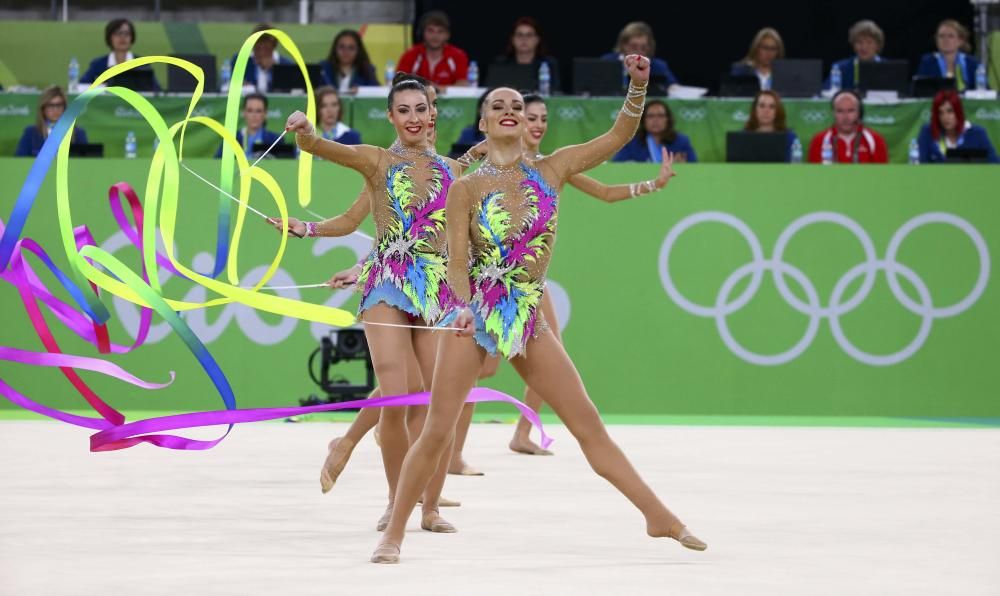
(525, 34)
(353, 48)
(122, 33)
(59, 105)
(768, 48)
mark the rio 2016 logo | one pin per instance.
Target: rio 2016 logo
(839, 304)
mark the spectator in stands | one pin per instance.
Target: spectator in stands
(848, 138)
(526, 45)
(948, 129)
(637, 38)
(119, 35)
(51, 106)
(329, 125)
(255, 125)
(765, 48)
(348, 65)
(263, 58)
(470, 135)
(434, 58)
(867, 40)
(951, 60)
(767, 114)
(656, 130)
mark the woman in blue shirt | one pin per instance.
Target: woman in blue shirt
(767, 114)
(119, 35)
(951, 60)
(948, 129)
(637, 38)
(867, 39)
(328, 124)
(51, 106)
(656, 131)
(348, 65)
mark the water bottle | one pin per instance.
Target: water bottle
(835, 81)
(796, 151)
(390, 72)
(981, 83)
(74, 75)
(130, 145)
(914, 152)
(225, 76)
(826, 156)
(473, 74)
(544, 80)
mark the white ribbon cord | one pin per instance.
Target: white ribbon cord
(263, 155)
(224, 192)
(357, 233)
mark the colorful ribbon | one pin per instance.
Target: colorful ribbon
(90, 265)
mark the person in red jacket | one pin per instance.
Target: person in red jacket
(434, 58)
(848, 138)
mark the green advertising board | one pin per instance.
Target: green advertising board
(739, 290)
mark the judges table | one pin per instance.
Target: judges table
(572, 120)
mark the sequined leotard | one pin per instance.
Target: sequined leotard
(407, 269)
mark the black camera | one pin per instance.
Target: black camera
(340, 345)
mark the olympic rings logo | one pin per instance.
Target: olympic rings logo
(570, 112)
(814, 116)
(451, 113)
(838, 304)
(692, 113)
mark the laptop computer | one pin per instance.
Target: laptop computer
(929, 86)
(887, 75)
(280, 151)
(181, 81)
(86, 149)
(966, 155)
(797, 77)
(137, 79)
(286, 77)
(516, 76)
(743, 146)
(596, 76)
(731, 85)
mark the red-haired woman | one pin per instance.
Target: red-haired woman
(948, 129)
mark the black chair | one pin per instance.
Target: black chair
(181, 81)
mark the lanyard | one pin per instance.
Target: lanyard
(960, 66)
(248, 142)
(654, 149)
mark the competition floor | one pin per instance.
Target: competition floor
(785, 510)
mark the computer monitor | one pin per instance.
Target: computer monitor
(280, 151)
(136, 79)
(966, 155)
(181, 81)
(929, 86)
(516, 76)
(797, 77)
(887, 75)
(731, 85)
(286, 77)
(743, 146)
(86, 149)
(597, 76)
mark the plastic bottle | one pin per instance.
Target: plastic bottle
(835, 78)
(544, 80)
(981, 83)
(914, 152)
(74, 75)
(225, 76)
(130, 145)
(796, 151)
(473, 74)
(826, 156)
(390, 72)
